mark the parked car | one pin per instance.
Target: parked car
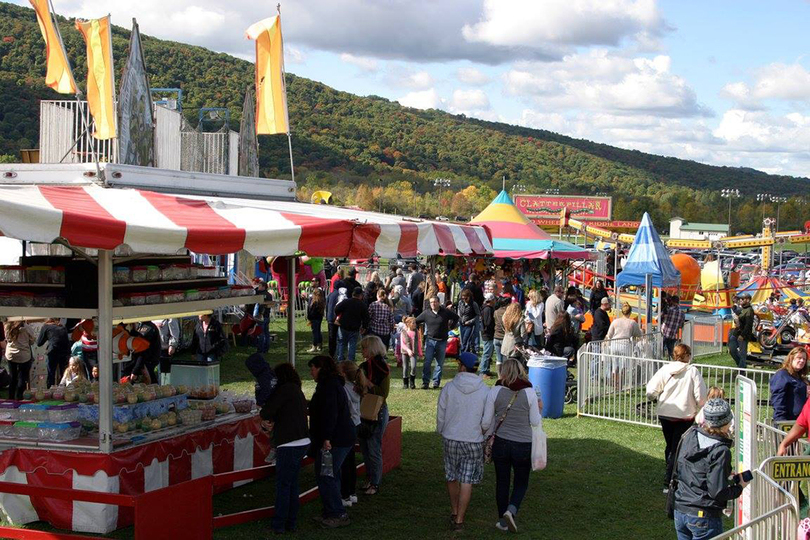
(790, 271)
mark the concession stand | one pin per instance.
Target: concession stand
(117, 220)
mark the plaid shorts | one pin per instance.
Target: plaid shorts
(463, 461)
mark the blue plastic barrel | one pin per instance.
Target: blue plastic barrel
(547, 375)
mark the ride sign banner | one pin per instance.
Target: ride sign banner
(581, 207)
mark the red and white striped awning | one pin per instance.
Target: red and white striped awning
(92, 216)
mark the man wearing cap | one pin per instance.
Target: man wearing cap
(353, 316)
(601, 320)
(703, 473)
(742, 331)
(458, 420)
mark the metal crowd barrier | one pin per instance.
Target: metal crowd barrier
(776, 512)
(612, 379)
(704, 335)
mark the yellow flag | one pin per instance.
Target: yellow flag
(58, 75)
(100, 78)
(271, 94)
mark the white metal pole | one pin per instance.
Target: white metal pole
(105, 352)
(291, 297)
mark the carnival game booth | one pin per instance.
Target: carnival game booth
(109, 215)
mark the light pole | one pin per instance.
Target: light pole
(440, 183)
(762, 198)
(518, 188)
(778, 201)
(729, 194)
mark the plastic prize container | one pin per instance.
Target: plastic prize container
(33, 412)
(547, 374)
(12, 274)
(26, 430)
(63, 413)
(121, 274)
(38, 274)
(7, 428)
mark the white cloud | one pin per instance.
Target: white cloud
(403, 77)
(472, 76)
(529, 23)
(423, 99)
(366, 64)
(469, 100)
(777, 81)
(602, 81)
(293, 55)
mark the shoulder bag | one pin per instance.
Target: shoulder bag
(491, 439)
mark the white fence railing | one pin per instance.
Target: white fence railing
(776, 512)
(612, 380)
(704, 335)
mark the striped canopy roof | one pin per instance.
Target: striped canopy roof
(761, 287)
(514, 236)
(91, 216)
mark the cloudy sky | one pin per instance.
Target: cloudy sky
(725, 82)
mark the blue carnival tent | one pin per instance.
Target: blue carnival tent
(648, 256)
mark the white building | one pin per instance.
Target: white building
(681, 229)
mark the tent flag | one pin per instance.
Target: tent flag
(248, 145)
(648, 255)
(271, 94)
(100, 78)
(136, 142)
(58, 75)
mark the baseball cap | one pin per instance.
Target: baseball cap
(468, 359)
(357, 291)
(489, 296)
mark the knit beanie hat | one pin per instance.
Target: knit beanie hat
(717, 413)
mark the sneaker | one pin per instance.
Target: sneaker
(425, 387)
(334, 523)
(436, 387)
(510, 521)
(312, 349)
(353, 498)
(665, 490)
(347, 503)
(457, 527)
(501, 526)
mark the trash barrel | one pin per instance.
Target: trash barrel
(547, 374)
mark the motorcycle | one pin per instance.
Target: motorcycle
(778, 334)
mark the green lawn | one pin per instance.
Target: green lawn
(603, 479)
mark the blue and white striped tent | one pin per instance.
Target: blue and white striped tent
(648, 255)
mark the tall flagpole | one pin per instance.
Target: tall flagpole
(284, 82)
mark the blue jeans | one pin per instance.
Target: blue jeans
(347, 339)
(694, 528)
(288, 464)
(317, 336)
(498, 356)
(738, 349)
(434, 348)
(329, 486)
(467, 333)
(477, 335)
(511, 456)
(486, 357)
(372, 448)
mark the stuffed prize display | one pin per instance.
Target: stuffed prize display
(306, 269)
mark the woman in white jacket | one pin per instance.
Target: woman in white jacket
(681, 392)
(513, 408)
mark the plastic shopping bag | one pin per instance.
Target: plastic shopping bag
(539, 450)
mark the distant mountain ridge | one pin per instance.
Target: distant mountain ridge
(370, 151)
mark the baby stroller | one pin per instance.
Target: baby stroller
(453, 347)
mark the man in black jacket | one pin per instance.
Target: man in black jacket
(437, 321)
(601, 320)
(148, 359)
(354, 318)
(350, 281)
(487, 334)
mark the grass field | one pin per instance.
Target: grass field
(603, 479)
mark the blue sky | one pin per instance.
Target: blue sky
(721, 82)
